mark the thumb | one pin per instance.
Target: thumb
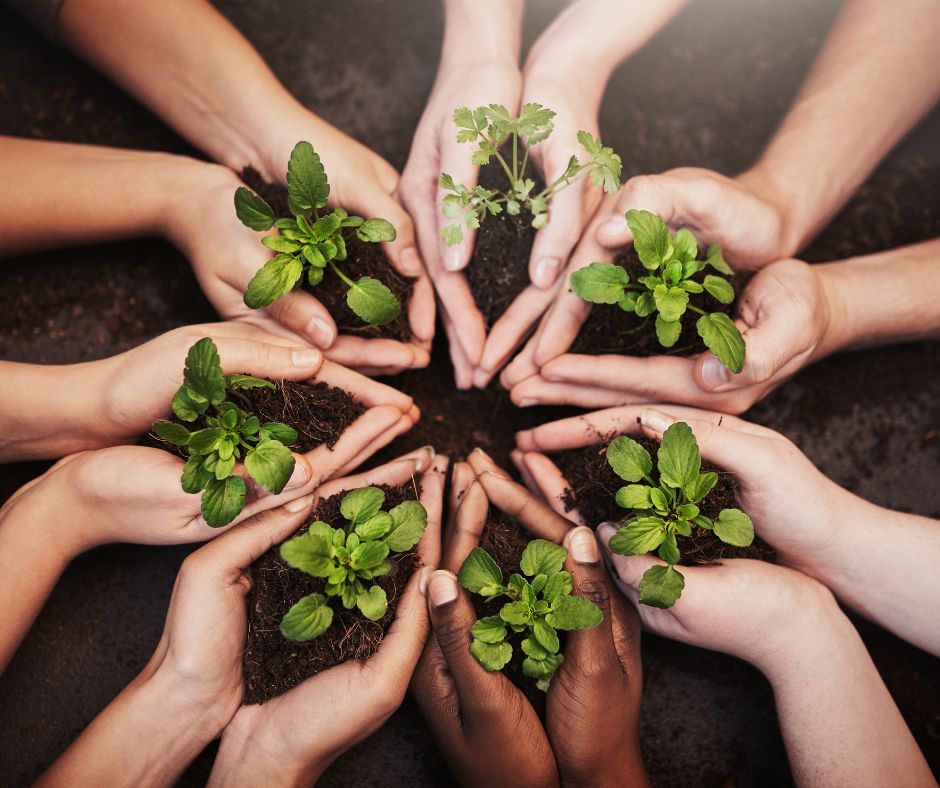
(268, 360)
(455, 161)
(403, 251)
(654, 193)
(303, 314)
(628, 569)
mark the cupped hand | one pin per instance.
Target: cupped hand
(784, 316)
(469, 710)
(294, 737)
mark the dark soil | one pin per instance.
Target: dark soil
(594, 485)
(609, 329)
(273, 664)
(499, 268)
(363, 259)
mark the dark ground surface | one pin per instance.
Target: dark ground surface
(869, 420)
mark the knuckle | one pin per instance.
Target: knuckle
(452, 634)
(595, 591)
(637, 189)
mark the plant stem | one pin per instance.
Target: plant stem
(502, 163)
(696, 309)
(525, 161)
(515, 157)
(340, 274)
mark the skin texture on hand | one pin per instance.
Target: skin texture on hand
(292, 738)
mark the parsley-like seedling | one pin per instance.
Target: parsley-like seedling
(229, 433)
(661, 511)
(490, 127)
(350, 557)
(313, 241)
(671, 260)
(538, 606)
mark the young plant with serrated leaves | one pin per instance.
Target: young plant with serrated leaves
(228, 433)
(490, 127)
(663, 509)
(540, 603)
(667, 290)
(313, 241)
(349, 559)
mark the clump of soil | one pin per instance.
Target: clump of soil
(594, 485)
(364, 259)
(608, 329)
(272, 663)
(499, 268)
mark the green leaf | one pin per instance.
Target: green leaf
(658, 499)
(531, 648)
(701, 487)
(634, 496)
(716, 260)
(279, 432)
(678, 459)
(516, 613)
(307, 184)
(277, 277)
(372, 603)
(686, 247)
(271, 464)
(669, 549)
(670, 302)
(310, 553)
(542, 557)
(628, 459)
(223, 500)
(375, 527)
(599, 283)
(574, 612)
(492, 656)
(307, 619)
(224, 467)
(720, 288)
(171, 432)
(627, 301)
(252, 210)
(409, 519)
(491, 629)
(203, 371)
(734, 527)
(542, 669)
(280, 244)
(237, 381)
(324, 227)
(452, 234)
(667, 333)
(661, 586)
(187, 404)
(373, 302)
(556, 586)
(375, 230)
(205, 440)
(546, 636)
(359, 505)
(644, 305)
(650, 238)
(722, 338)
(479, 571)
(368, 555)
(194, 478)
(639, 536)
(315, 257)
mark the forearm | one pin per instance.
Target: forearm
(838, 720)
(877, 74)
(482, 31)
(246, 759)
(61, 194)
(145, 736)
(883, 298)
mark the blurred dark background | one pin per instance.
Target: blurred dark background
(708, 91)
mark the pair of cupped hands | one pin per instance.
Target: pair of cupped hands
(784, 312)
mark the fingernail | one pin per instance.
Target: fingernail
(424, 460)
(299, 477)
(546, 272)
(528, 402)
(299, 504)
(410, 262)
(484, 455)
(615, 225)
(453, 257)
(607, 530)
(656, 420)
(423, 579)
(442, 588)
(583, 546)
(714, 373)
(320, 332)
(305, 358)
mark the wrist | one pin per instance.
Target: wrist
(840, 327)
(482, 32)
(184, 194)
(763, 184)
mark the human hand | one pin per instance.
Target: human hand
(784, 316)
(291, 739)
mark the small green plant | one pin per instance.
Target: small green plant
(348, 558)
(490, 127)
(661, 511)
(229, 432)
(311, 242)
(538, 606)
(665, 292)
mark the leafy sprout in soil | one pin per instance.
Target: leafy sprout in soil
(671, 260)
(492, 126)
(226, 433)
(348, 558)
(660, 511)
(311, 242)
(538, 606)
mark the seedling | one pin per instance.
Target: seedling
(661, 511)
(313, 242)
(492, 126)
(671, 260)
(348, 558)
(228, 432)
(538, 606)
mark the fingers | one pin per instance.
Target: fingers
(365, 390)
(421, 312)
(455, 161)
(654, 193)
(384, 438)
(386, 355)
(463, 367)
(461, 478)
(555, 241)
(267, 359)
(398, 471)
(469, 522)
(550, 483)
(432, 498)
(538, 391)
(629, 568)
(585, 430)
(402, 253)
(305, 316)
(523, 365)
